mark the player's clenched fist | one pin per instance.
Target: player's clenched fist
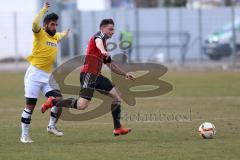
(46, 5)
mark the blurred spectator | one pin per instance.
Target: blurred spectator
(126, 39)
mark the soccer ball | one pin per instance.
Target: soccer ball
(207, 130)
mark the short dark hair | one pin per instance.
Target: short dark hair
(106, 22)
(50, 17)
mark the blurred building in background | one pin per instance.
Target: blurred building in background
(164, 30)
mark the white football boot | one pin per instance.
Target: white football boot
(55, 131)
(26, 140)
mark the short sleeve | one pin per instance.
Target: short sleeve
(99, 35)
(38, 34)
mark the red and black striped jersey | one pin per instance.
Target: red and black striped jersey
(94, 58)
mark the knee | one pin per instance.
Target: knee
(116, 99)
(81, 106)
(31, 103)
(115, 93)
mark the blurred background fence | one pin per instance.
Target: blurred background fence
(160, 34)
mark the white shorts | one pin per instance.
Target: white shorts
(36, 81)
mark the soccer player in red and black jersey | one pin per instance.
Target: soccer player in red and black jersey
(91, 78)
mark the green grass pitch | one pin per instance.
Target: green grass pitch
(199, 96)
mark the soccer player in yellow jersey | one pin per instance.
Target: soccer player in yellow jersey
(37, 76)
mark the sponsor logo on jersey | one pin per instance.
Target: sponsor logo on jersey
(51, 44)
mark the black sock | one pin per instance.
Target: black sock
(116, 114)
(67, 103)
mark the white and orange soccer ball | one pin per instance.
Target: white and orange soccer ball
(207, 130)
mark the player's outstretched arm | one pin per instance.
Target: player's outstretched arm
(36, 22)
(63, 34)
(116, 69)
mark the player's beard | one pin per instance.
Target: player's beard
(107, 37)
(51, 33)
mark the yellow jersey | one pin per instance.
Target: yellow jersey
(45, 48)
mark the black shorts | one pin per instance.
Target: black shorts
(90, 82)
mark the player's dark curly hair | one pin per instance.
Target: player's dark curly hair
(50, 17)
(106, 22)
